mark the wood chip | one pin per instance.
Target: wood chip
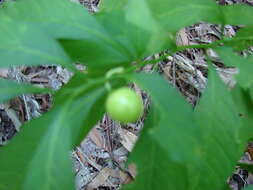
(182, 39)
(3, 73)
(95, 136)
(128, 139)
(132, 169)
(84, 159)
(100, 179)
(14, 118)
(128, 177)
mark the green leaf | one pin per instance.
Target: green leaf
(10, 89)
(231, 13)
(226, 187)
(208, 140)
(103, 40)
(245, 65)
(81, 87)
(155, 169)
(112, 5)
(136, 40)
(242, 40)
(174, 14)
(168, 140)
(33, 159)
(125, 43)
(59, 18)
(220, 126)
(27, 37)
(98, 57)
(169, 113)
(148, 36)
(244, 110)
(23, 44)
(128, 41)
(250, 187)
(62, 19)
(248, 167)
(251, 92)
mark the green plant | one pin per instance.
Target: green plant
(186, 143)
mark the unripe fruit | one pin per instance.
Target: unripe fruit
(124, 105)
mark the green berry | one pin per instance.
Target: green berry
(124, 105)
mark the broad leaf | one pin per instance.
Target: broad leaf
(98, 57)
(34, 158)
(10, 89)
(245, 65)
(242, 40)
(148, 36)
(60, 18)
(155, 169)
(248, 167)
(251, 92)
(220, 126)
(231, 14)
(112, 5)
(23, 44)
(169, 111)
(250, 187)
(168, 140)
(67, 20)
(129, 41)
(202, 144)
(244, 109)
(174, 14)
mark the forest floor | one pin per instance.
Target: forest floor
(100, 159)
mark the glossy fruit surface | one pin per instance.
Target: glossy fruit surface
(124, 105)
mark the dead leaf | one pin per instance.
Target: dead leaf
(3, 73)
(100, 179)
(95, 136)
(128, 139)
(182, 39)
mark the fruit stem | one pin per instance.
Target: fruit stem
(109, 74)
